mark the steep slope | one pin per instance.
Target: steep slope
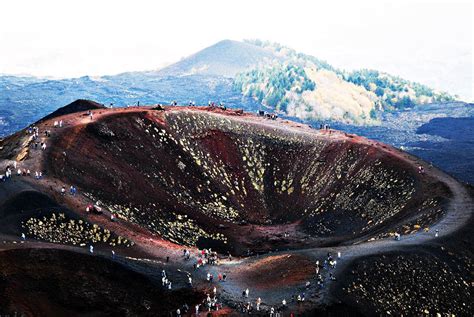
(82, 285)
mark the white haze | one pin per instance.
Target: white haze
(426, 41)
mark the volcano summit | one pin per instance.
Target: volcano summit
(186, 206)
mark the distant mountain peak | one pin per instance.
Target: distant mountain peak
(225, 58)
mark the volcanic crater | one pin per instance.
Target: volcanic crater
(239, 183)
(274, 198)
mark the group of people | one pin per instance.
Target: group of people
(247, 306)
(330, 262)
(165, 281)
(58, 124)
(19, 172)
(9, 170)
(220, 105)
(272, 116)
(212, 303)
(205, 256)
(421, 169)
(221, 277)
(72, 190)
(34, 131)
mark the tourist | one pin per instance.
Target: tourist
(247, 293)
(421, 169)
(91, 249)
(320, 281)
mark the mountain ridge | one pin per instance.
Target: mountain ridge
(240, 74)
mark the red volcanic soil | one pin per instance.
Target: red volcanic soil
(277, 192)
(269, 272)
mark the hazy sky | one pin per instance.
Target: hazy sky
(427, 41)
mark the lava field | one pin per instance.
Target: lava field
(112, 214)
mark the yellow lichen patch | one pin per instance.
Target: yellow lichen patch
(59, 229)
